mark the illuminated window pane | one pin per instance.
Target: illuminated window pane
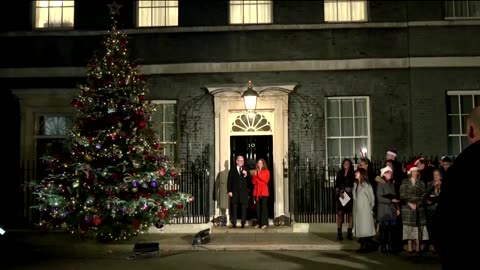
(157, 13)
(250, 12)
(345, 10)
(54, 14)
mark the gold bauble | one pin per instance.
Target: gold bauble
(87, 157)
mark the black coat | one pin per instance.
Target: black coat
(239, 186)
(458, 203)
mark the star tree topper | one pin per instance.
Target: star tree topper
(114, 8)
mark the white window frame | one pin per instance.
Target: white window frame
(248, 3)
(453, 17)
(168, 9)
(459, 115)
(38, 137)
(336, 3)
(369, 134)
(63, 24)
(163, 135)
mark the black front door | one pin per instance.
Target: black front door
(252, 148)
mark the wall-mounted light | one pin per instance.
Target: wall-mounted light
(250, 98)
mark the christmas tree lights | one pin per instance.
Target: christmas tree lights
(115, 182)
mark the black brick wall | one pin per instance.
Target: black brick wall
(429, 114)
(157, 48)
(408, 109)
(387, 89)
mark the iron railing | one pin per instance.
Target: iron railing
(312, 195)
(195, 183)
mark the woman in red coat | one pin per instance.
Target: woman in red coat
(260, 192)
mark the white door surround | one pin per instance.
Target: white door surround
(272, 105)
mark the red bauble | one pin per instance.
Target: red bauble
(97, 220)
(139, 112)
(77, 103)
(136, 224)
(115, 176)
(141, 97)
(142, 123)
(116, 119)
(179, 206)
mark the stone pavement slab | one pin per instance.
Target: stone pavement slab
(226, 260)
(237, 239)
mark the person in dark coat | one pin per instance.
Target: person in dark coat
(238, 183)
(387, 210)
(458, 202)
(397, 229)
(445, 163)
(344, 187)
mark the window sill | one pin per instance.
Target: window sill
(461, 18)
(54, 29)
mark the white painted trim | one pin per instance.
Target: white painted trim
(260, 66)
(369, 127)
(223, 28)
(227, 108)
(233, 28)
(163, 101)
(452, 61)
(462, 92)
(446, 22)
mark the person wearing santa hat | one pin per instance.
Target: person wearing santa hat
(425, 170)
(412, 192)
(387, 209)
(392, 154)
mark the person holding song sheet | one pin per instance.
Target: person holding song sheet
(387, 209)
(412, 193)
(343, 187)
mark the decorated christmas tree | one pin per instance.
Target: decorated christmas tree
(114, 182)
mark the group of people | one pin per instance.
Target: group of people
(413, 203)
(394, 206)
(239, 184)
(416, 203)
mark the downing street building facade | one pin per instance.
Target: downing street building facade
(333, 78)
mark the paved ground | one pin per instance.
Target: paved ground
(229, 260)
(227, 250)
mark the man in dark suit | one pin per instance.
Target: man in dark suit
(237, 188)
(454, 229)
